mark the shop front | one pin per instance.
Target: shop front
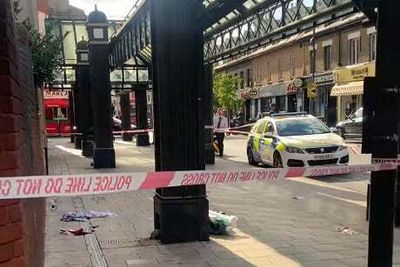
(322, 104)
(295, 95)
(264, 99)
(349, 87)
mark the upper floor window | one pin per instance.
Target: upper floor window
(354, 47)
(312, 61)
(241, 80)
(292, 67)
(238, 81)
(280, 71)
(327, 57)
(258, 78)
(249, 80)
(372, 46)
(269, 71)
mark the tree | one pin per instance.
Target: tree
(46, 55)
(46, 52)
(225, 92)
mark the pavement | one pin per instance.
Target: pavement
(292, 222)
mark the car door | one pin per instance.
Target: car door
(267, 143)
(354, 127)
(258, 144)
(358, 119)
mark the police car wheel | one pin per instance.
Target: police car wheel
(277, 161)
(250, 157)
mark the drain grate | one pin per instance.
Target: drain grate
(128, 242)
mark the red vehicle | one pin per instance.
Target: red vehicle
(56, 105)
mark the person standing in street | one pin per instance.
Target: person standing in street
(220, 126)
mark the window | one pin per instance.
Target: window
(327, 57)
(258, 79)
(249, 81)
(56, 113)
(354, 50)
(238, 81)
(312, 62)
(241, 80)
(372, 46)
(270, 128)
(260, 129)
(280, 72)
(292, 67)
(301, 126)
(269, 73)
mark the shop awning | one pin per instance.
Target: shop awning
(353, 88)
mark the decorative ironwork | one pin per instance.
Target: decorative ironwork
(276, 20)
(232, 29)
(133, 40)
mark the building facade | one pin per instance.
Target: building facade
(327, 64)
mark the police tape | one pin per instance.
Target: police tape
(122, 132)
(134, 131)
(229, 130)
(101, 183)
(387, 160)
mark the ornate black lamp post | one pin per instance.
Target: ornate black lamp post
(100, 88)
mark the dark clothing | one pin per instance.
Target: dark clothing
(220, 141)
(219, 122)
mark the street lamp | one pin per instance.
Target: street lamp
(84, 116)
(100, 88)
(97, 27)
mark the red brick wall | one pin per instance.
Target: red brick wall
(21, 221)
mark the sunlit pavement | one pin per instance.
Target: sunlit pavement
(296, 222)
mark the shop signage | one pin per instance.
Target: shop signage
(250, 93)
(291, 89)
(311, 90)
(278, 89)
(51, 94)
(253, 93)
(297, 82)
(354, 73)
(324, 78)
(243, 94)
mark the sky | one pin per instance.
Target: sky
(114, 9)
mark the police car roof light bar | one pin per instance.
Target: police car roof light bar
(273, 114)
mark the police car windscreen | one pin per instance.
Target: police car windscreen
(301, 126)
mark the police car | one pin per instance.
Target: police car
(294, 140)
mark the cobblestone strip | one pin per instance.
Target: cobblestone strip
(96, 254)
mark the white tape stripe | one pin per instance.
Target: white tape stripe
(232, 129)
(138, 180)
(388, 160)
(125, 131)
(101, 183)
(238, 132)
(227, 176)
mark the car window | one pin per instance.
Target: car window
(358, 113)
(269, 128)
(254, 128)
(260, 129)
(303, 126)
